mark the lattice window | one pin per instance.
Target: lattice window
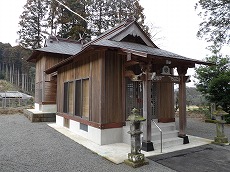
(82, 98)
(65, 100)
(68, 97)
(154, 100)
(134, 96)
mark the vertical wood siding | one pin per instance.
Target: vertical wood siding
(95, 86)
(104, 70)
(88, 67)
(165, 101)
(45, 85)
(113, 88)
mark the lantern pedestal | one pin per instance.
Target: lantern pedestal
(135, 158)
(220, 138)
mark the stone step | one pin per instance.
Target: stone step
(163, 126)
(167, 143)
(39, 116)
(165, 135)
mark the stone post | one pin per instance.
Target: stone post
(213, 108)
(220, 138)
(135, 158)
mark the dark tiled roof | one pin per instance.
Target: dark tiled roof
(105, 41)
(61, 46)
(58, 46)
(144, 49)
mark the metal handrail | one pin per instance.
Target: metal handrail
(160, 132)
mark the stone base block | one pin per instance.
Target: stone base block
(221, 141)
(136, 160)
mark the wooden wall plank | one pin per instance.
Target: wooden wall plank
(88, 67)
(113, 88)
(95, 88)
(165, 102)
(45, 91)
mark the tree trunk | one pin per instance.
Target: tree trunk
(10, 77)
(13, 73)
(18, 77)
(22, 81)
(6, 67)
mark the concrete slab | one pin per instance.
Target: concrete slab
(118, 152)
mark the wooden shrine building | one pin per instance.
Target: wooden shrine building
(54, 51)
(95, 87)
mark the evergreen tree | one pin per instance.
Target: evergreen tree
(98, 16)
(214, 81)
(105, 14)
(53, 15)
(32, 24)
(14, 67)
(219, 90)
(69, 23)
(42, 17)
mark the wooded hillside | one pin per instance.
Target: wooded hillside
(193, 97)
(15, 69)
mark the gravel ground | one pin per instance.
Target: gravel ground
(197, 127)
(26, 146)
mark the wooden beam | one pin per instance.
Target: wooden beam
(182, 101)
(90, 123)
(147, 145)
(102, 117)
(131, 63)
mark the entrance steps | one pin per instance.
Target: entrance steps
(169, 135)
(171, 142)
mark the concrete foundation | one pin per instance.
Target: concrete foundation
(98, 136)
(120, 135)
(46, 108)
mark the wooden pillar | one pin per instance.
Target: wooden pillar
(147, 145)
(182, 103)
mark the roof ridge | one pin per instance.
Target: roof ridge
(63, 39)
(106, 33)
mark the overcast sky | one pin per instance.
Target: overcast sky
(176, 20)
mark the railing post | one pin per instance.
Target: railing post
(160, 132)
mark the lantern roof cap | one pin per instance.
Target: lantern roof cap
(135, 116)
(219, 112)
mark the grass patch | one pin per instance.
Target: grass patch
(201, 110)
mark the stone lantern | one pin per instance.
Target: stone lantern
(220, 138)
(135, 158)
